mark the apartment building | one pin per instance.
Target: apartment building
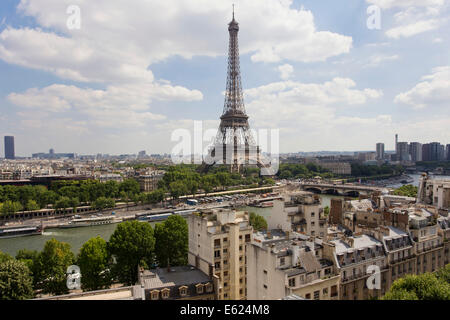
(429, 246)
(149, 181)
(176, 283)
(444, 233)
(434, 192)
(354, 257)
(399, 249)
(217, 247)
(300, 212)
(281, 264)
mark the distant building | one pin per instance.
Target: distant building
(53, 155)
(403, 152)
(142, 154)
(433, 151)
(426, 152)
(380, 151)
(343, 168)
(149, 182)
(366, 156)
(415, 150)
(217, 240)
(447, 152)
(9, 148)
(396, 142)
(110, 177)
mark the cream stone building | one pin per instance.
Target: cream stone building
(434, 192)
(300, 212)
(217, 241)
(288, 263)
(355, 257)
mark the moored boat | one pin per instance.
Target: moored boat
(12, 232)
(89, 222)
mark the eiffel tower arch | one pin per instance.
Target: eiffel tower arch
(234, 144)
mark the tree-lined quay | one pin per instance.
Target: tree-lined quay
(102, 263)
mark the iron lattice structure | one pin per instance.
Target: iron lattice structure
(234, 144)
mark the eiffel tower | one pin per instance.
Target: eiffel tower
(234, 145)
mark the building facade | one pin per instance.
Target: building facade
(286, 263)
(415, 150)
(300, 212)
(217, 241)
(380, 151)
(9, 148)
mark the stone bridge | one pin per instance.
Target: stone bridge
(349, 190)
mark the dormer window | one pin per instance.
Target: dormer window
(154, 294)
(183, 291)
(165, 293)
(209, 287)
(199, 288)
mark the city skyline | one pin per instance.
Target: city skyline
(88, 96)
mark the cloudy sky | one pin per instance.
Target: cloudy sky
(136, 71)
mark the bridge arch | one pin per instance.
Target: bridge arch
(352, 193)
(314, 190)
(331, 191)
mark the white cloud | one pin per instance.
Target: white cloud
(307, 114)
(409, 30)
(387, 4)
(117, 42)
(433, 90)
(117, 105)
(286, 71)
(339, 90)
(376, 60)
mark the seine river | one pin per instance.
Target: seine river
(77, 236)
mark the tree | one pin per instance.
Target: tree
(48, 197)
(172, 240)
(15, 281)
(177, 189)
(32, 205)
(419, 287)
(62, 203)
(9, 207)
(52, 265)
(103, 203)
(444, 274)
(93, 261)
(407, 191)
(257, 222)
(130, 186)
(132, 244)
(326, 211)
(29, 257)
(4, 257)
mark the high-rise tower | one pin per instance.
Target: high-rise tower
(9, 147)
(234, 144)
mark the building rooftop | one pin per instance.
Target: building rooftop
(177, 276)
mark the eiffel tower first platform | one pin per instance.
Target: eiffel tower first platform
(234, 145)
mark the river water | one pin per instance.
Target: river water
(77, 236)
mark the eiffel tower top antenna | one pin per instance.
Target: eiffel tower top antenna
(233, 11)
